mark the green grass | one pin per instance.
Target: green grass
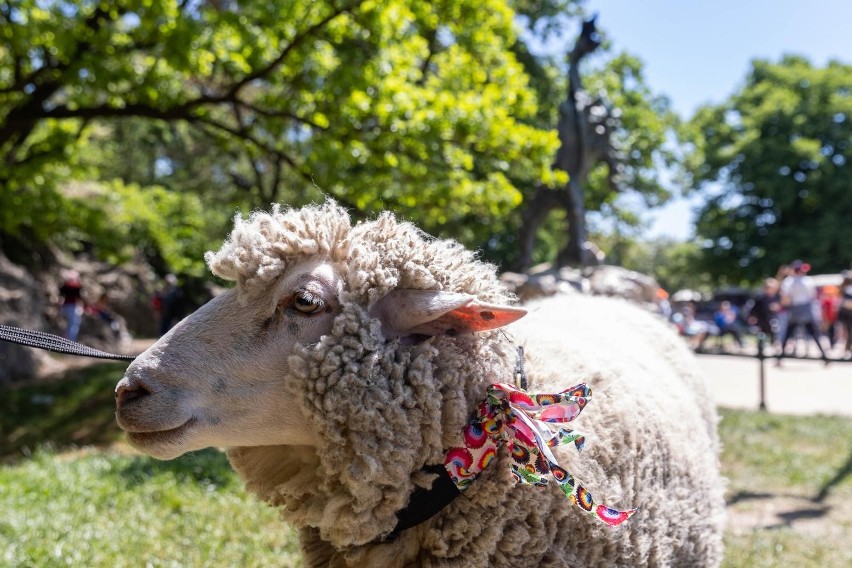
(102, 509)
(71, 496)
(811, 456)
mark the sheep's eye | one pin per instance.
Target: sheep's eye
(307, 303)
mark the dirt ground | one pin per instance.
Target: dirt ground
(801, 387)
(773, 511)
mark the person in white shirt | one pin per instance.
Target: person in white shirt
(798, 295)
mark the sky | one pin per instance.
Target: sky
(698, 52)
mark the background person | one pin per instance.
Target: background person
(765, 310)
(101, 309)
(844, 312)
(799, 295)
(695, 331)
(829, 303)
(71, 293)
(726, 318)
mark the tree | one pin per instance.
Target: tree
(432, 109)
(420, 107)
(774, 159)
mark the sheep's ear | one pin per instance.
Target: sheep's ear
(407, 313)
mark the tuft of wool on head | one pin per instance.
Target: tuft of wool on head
(374, 256)
(261, 247)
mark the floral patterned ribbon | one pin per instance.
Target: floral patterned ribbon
(523, 421)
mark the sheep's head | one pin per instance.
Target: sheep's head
(216, 378)
(253, 366)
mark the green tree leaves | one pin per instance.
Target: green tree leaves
(433, 109)
(417, 106)
(779, 150)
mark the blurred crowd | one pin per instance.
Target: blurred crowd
(792, 314)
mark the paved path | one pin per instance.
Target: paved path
(797, 387)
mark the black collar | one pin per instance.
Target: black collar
(425, 503)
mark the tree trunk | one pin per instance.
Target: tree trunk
(574, 252)
(543, 202)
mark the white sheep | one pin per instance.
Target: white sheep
(348, 360)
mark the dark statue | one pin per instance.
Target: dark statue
(586, 125)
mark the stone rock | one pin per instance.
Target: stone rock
(545, 282)
(608, 280)
(21, 305)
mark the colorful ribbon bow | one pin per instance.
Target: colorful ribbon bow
(523, 421)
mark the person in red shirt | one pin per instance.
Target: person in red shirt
(829, 303)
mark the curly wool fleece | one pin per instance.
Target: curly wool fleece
(382, 411)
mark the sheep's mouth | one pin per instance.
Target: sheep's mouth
(155, 437)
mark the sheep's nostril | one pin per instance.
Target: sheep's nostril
(125, 392)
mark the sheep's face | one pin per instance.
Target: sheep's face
(220, 377)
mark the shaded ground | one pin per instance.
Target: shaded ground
(71, 406)
(812, 509)
(789, 489)
(74, 409)
(773, 511)
(799, 494)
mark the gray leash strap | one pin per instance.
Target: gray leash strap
(50, 342)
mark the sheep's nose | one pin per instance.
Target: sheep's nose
(126, 391)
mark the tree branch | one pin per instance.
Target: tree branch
(276, 181)
(278, 154)
(107, 111)
(296, 41)
(233, 91)
(432, 45)
(22, 120)
(281, 114)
